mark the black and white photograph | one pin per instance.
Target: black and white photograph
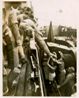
(39, 48)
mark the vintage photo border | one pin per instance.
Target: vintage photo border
(1, 80)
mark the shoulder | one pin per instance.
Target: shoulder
(29, 22)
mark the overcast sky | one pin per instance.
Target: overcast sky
(65, 12)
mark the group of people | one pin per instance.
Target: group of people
(19, 27)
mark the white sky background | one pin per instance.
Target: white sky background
(64, 12)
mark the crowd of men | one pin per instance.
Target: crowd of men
(19, 27)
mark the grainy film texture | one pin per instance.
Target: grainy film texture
(38, 60)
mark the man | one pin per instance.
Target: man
(28, 23)
(25, 23)
(12, 43)
(29, 33)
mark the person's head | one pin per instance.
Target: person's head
(71, 70)
(11, 6)
(25, 8)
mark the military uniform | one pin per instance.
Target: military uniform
(23, 29)
(7, 55)
(12, 43)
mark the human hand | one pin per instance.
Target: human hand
(54, 58)
(23, 61)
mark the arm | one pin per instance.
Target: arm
(42, 43)
(15, 30)
(39, 38)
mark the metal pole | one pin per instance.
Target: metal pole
(41, 85)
